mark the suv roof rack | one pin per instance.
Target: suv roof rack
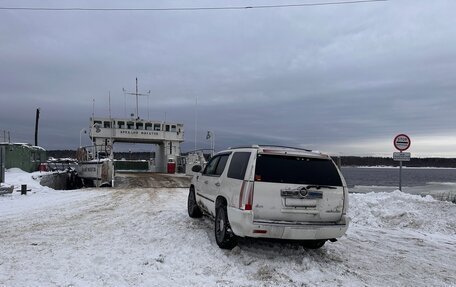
(268, 145)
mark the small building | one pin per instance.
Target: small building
(23, 156)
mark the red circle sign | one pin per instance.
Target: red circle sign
(402, 142)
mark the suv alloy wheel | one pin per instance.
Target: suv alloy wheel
(223, 234)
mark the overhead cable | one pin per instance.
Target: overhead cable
(192, 8)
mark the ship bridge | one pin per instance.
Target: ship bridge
(168, 136)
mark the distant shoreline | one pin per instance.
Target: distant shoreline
(430, 162)
(346, 161)
(404, 166)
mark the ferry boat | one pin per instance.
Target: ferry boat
(96, 163)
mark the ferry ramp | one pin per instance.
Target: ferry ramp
(151, 180)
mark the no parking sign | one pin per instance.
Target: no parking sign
(401, 142)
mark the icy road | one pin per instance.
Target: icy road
(144, 237)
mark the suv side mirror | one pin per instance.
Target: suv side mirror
(197, 168)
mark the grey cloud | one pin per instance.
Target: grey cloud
(309, 76)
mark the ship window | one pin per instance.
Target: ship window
(157, 127)
(148, 126)
(130, 125)
(121, 125)
(167, 128)
(139, 126)
(97, 122)
(173, 128)
(107, 125)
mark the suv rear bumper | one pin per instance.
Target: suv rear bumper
(243, 225)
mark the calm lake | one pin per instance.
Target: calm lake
(390, 176)
(440, 183)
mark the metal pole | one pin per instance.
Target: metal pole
(2, 164)
(36, 125)
(400, 174)
(109, 103)
(125, 102)
(137, 107)
(196, 120)
(148, 109)
(80, 136)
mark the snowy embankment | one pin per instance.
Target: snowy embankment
(38, 196)
(445, 191)
(144, 237)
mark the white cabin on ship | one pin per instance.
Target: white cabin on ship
(166, 135)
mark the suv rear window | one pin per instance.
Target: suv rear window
(238, 165)
(296, 170)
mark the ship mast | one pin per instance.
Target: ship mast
(137, 94)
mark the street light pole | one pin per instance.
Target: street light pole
(213, 143)
(210, 135)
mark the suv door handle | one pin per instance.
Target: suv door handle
(217, 184)
(206, 182)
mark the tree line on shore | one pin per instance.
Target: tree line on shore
(388, 161)
(345, 160)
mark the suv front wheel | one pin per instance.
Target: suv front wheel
(224, 236)
(193, 209)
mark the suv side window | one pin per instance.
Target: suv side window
(216, 165)
(238, 165)
(221, 164)
(211, 166)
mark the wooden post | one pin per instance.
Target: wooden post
(23, 189)
(36, 125)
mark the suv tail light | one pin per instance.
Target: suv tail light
(246, 195)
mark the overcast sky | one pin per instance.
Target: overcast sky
(343, 79)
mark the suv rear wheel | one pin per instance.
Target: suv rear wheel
(224, 236)
(313, 244)
(193, 209)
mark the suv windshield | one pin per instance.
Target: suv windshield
(296, 170)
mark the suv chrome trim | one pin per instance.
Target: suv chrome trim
(295, 223)
(199, 194)
(276, 146)
(301, 193)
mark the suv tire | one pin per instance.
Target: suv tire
(224, 236)
(313, 244)
(193, 209)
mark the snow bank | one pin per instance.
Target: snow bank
(17, 177)
(401, 210)
(38, 197)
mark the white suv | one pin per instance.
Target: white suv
(271, 192)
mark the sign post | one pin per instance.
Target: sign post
(401, 143)
(2, 164)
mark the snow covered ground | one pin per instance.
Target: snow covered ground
(445, 191)
(144, 237)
